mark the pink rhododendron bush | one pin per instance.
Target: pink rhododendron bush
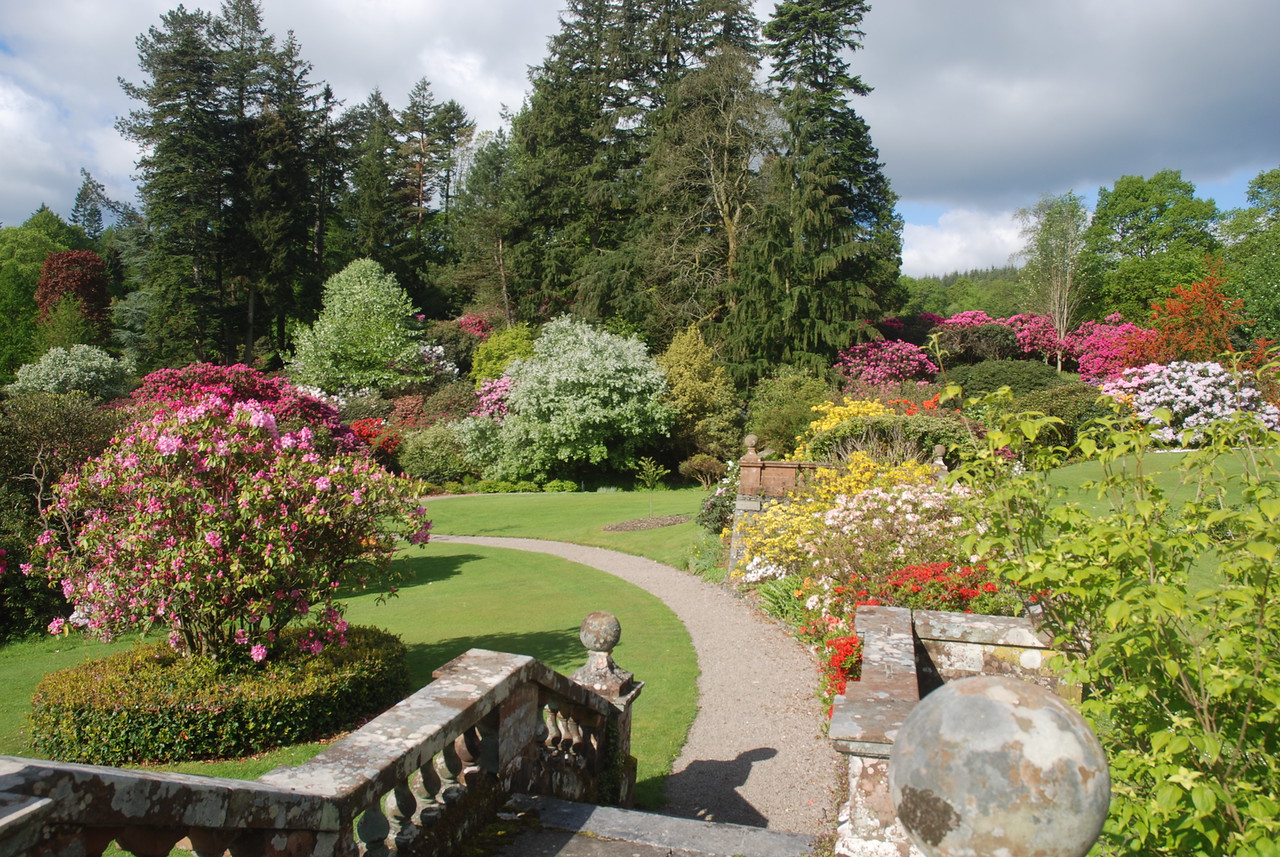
(211, 522)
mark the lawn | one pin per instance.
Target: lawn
(577, 518)
(458, 597)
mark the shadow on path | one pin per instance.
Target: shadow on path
(708, 789)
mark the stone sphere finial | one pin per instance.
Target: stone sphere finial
(750, 442)
(600, 632)
(996, 765)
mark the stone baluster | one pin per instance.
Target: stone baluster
(401, 807)
(451, 775)
(551, 717)
(427, 788)
(373, 829)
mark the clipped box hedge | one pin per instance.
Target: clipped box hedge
(153, 705)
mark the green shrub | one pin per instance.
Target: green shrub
(1074, 404)
(894, 438)
(454, 488)
(370, 407)
(703, 469)
(152, 705)
(562, 486)
(977, 343)
(1181, 672)
(527, 487)
(716, 513)
(434, 454)
(86, 368)
(782, 407)
(492, 356)
(1020, 376)
(494, 486)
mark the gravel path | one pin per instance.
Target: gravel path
(755, 754)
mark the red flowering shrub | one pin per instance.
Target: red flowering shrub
(376, 432)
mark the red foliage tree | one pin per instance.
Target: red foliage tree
(1195, 323)
(81, 274)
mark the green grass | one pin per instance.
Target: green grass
(458, 597)
(1168, 471)
(577, 518)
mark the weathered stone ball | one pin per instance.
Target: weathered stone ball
(995, 765)
(600, 631)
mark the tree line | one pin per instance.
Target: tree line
(654, 177)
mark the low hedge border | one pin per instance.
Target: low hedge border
(152, 705)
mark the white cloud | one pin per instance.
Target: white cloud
(962, 240)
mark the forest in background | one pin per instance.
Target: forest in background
(677, 162)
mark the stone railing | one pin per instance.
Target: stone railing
(418, 779)
(905, 656)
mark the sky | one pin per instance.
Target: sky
(979, 108)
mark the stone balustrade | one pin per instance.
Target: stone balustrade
(418, 779)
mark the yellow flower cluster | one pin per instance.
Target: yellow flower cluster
(777, 533)
(832, 414)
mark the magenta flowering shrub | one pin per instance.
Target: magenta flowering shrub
(491, 398)
(968, 318)
(1102, 349)
(885, 363)
(171, 389)
(210, 522)
(1196, 395)
(1036, 335)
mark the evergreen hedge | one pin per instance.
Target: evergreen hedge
(152, 705)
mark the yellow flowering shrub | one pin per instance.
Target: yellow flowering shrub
(832, 414)
(772, 540)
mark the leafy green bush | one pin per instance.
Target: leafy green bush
(526, 486)
(434, 454)
(1074, 404)
(703, 469)
(782, 406)
(368, 407)
(892, 438)
(976, 343)
(561, 486)
(707, 419)
(716, 513)
(494, 486)
(1020, 376)
(1182, 678)
(361, 341)
(586, 401)
(152, 705)
(86, 368)
(492, 356)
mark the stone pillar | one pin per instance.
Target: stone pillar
(750, 498)
(600, 633)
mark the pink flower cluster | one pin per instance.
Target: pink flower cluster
(206, 519)
(885, 362)
(968, 318)
(476, 325)
(491, 398)
(170, 389)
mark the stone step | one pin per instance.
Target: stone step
(558, 828)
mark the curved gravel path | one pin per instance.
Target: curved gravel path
(755, 754)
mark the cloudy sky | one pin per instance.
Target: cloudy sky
(979, 108)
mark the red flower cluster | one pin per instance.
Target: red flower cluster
(843, 664)
(375, 432)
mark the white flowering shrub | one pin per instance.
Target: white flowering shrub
(586, 399)
(881, 529)
(86, 368)
(1194, 395)
(361, 339)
